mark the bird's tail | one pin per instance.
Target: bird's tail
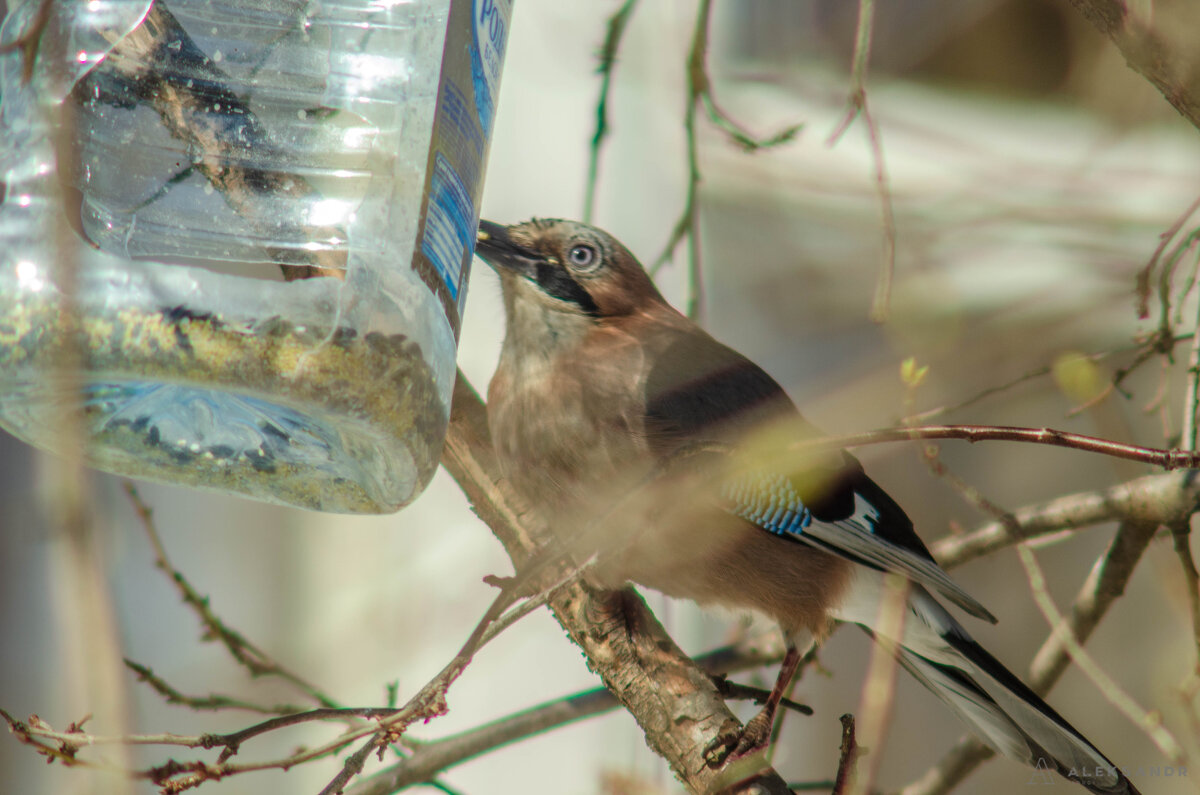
(998, 706)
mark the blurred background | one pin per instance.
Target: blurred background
(1031, 173)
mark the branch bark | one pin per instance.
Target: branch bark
(1155, 499)
(1173, 70)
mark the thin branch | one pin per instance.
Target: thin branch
(966, 755)
(1180, 531)
(1181, 534)
(1168, 459)
(1143, 276)
(969, 493)
(1166, 280)
(1149, 722)
(1145, 350)
(758, 695)
(848, 758)
(1156, 345)
(608, 62)
(879, 689)
(249, 655)
(699, 91)
(431, 700)
(430, 758)
(685, 226)
(1191, 398)
(880, 305)
(176, 776)
(213, 701)
(1189, 285)
(388, 724)
(739, 134)
(1155, 499)
(1104, 585)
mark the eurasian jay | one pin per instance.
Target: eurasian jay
(667, 459)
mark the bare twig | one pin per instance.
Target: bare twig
(1166, 281)
(431, 758)
(858, 105)
(431, 700)
(1104, 585)
(699, 91)
(1168, 459)
(848, 760)
(388, 723)
(212, 701)
(966, 755)
(1181, 529)
(249, 655)
(1155, 499)
(685, 227)
(879, 689)
(176, 776)
(608, 63)
(1145, 350)
(1181, 533)
(1191, 398)
(972, 495)
(1149, 722)
(758, 695)
(1156, 345)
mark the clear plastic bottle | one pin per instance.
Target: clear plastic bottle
(235, 237)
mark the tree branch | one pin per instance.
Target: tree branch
(429, 759)
(608, 63)
(1156, 499)
(1173, 72)
(1166, 458)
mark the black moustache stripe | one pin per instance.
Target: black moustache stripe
(554, 281)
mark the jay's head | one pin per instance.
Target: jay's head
(566, 267)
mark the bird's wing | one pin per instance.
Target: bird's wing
(700, 391)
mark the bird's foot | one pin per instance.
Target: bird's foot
(735, 741)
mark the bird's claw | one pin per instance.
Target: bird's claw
(717, 751)
(735, 741)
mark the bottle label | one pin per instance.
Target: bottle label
(470, 80)
(448, 224)
(491, 20)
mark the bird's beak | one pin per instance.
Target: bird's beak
(495, 246)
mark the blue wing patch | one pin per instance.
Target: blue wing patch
(771, 501)
(768, 500)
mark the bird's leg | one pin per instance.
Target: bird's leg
(734, 741)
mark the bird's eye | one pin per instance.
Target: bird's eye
(582, 256)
